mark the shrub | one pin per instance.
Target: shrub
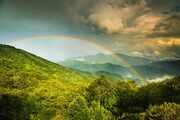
(166, 111)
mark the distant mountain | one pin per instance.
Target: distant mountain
(172, 66)
(148, 72)
(88, 67)
(111, 58)
(152, 72)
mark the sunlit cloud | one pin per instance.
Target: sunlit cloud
(162, 48)
(111, 18)
(144, 24)
(146, 28)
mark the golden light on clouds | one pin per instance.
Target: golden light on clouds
(168, 42)
(156, 47)
(144, 24)
(134, 27)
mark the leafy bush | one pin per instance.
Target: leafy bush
(129, 116)
(102, 91)
(78, 109)
(14, 108)
(166, 111)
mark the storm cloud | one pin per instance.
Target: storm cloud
(113, 23)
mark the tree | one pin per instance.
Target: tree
(102, 91)
(99, 112)
(171, 90)
(78, 109)
(126, 99)
(166, 111)
(150, 94)
(14, 107)
(129, 116)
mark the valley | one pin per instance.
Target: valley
(33, 88)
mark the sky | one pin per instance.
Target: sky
(144, 28)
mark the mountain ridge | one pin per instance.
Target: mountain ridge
(149, 71)
(111, 58)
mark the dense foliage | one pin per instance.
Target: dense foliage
(32, 88)
(166, 111)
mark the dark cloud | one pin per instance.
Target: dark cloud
(48, 10)
(98, 16)
(173, 51)
(72, 13)
(55, 12)
(176, 9)
(169, 27)
(103, 19)
(134, 17)
(161, 5)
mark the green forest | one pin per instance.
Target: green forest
(32, 88)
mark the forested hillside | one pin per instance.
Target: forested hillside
(31, 78)
(32, 88)
(18, 61)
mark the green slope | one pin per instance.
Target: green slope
(20, 63)
(31, 79)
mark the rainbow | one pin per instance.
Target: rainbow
(81, 40)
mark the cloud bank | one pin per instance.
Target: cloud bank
(147, 28)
